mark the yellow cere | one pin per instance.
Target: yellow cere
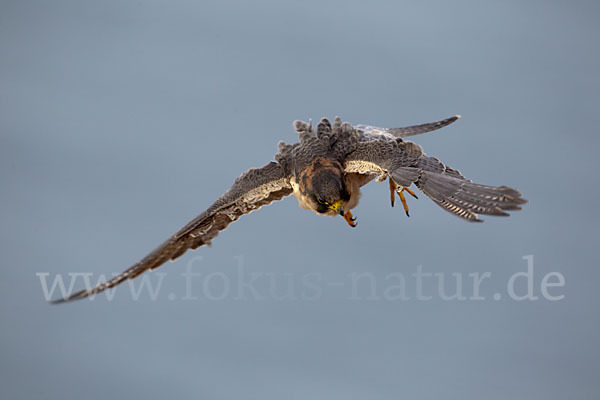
(336, 205)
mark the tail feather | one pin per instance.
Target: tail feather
(454, 193)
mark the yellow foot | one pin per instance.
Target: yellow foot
(394, 188)
(350, 219)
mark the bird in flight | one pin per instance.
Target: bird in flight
(325, 171)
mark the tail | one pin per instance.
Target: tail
(449, 189)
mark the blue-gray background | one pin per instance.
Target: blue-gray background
(121, 120)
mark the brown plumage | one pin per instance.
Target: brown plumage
(325, 171)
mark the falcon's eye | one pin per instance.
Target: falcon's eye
(322, 202)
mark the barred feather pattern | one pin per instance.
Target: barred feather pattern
(406, 163)
(449, 189)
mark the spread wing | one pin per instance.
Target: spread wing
(406, 131)
(406, 163)
(255, 188)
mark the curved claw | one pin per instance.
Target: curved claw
(394, 188)
(411, 192)
(350, 219)
(403, 199)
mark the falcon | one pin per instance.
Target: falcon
(325, 171)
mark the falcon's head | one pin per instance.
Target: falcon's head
(324, 188)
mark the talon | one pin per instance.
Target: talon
(403, 199)
(350, 219)
(411, 193)
(400, 191)
(393, 188)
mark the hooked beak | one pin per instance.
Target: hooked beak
(337, 207)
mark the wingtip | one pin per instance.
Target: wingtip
(75, 296)
(458, 116)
